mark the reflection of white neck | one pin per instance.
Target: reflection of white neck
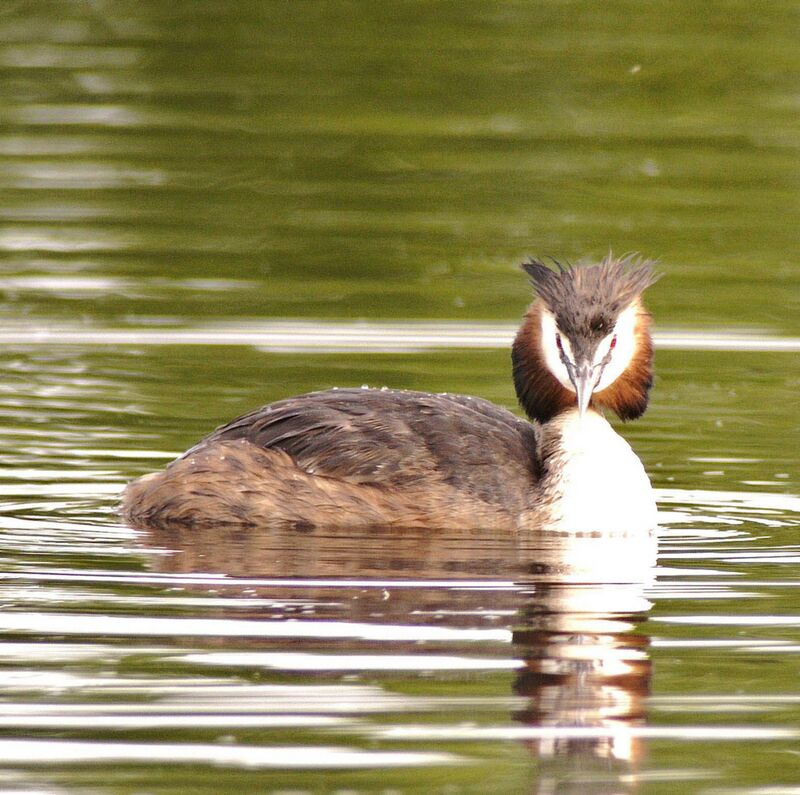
(606, 559)
(593, 481)
(589, 594)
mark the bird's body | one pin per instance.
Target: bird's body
(363, 457)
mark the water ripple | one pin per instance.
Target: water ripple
(55, 752)
(331, 337)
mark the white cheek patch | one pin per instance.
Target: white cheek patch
(623, 351)
(603, 349)
(552, 357)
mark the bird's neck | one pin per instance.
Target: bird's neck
(592, 481)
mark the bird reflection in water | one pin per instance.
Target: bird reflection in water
(570, 605)
(587, 671)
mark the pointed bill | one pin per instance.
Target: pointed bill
(584, 382)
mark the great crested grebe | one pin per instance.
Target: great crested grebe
(360, 457)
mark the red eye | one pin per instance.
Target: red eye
(558, 344)
(613, 343)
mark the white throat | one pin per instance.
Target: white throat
(593, 480)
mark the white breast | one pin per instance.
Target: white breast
(594, 482)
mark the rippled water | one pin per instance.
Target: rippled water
(274, 660)
(207, 206)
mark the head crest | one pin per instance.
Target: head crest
(610, 286)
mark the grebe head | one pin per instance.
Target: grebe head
(586, 339)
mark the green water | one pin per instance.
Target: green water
(178, 165)
(398, 159)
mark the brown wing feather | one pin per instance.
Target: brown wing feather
(394, 438)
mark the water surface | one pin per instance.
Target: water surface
(415, 661)
(208, 206)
